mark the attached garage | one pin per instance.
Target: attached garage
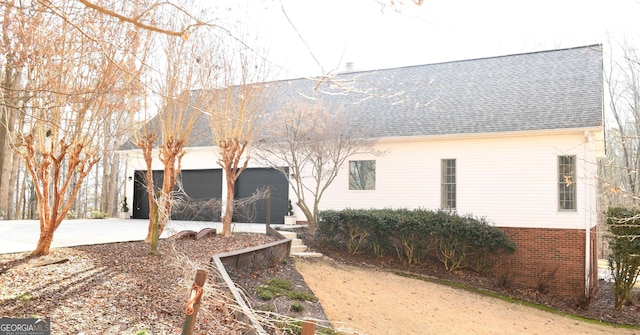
(197, 191)
(255, 179)
(193, 190)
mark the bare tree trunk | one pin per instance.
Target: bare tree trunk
(106, 163)
(80, 205)
(228, 207)
(96, 188)
(33, 202)
(114, 203)
(13, 180)
(6, 161)
(5, 201)
(21, 203)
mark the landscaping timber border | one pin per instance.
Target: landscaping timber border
(250, 258)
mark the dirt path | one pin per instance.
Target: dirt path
(379, 303)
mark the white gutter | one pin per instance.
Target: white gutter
(497, 134)
(588, 139)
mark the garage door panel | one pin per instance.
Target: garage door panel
(255, 179)
(194, 191)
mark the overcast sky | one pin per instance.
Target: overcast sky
(360, 31)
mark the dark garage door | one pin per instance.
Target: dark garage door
(257, 179)
(192, 199)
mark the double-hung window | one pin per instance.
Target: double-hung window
(448, 184)
(566, 183)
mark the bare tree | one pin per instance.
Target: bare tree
(75, 81)
(309, 146)
(233, 115)
(620, 172)
(189, 67)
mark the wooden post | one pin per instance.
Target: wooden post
(308, 327)
(194, 302)
(268, 207)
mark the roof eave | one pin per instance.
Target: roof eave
(518, 133)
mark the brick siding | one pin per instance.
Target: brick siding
(550, 260)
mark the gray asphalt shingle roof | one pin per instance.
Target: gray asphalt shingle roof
(544, 90)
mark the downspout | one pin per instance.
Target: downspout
(588, 139)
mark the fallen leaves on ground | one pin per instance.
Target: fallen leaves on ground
(119, 288)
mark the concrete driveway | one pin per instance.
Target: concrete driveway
(22, 235)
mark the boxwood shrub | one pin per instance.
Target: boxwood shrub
(414, 234)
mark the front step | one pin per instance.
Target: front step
(306, 254)
(298, 249)
(288, 234)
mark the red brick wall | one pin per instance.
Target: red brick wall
(550, 260)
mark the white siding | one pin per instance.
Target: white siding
(510, 180)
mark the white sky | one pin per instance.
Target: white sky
(358, 31)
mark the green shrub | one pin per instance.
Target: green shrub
(280, 284)
(329, 229)
(302, 296)
(464, 241)
(297, 307)
(412, 232)
(381, 231)
(99, 215)
(457, 241)
(487, 241)
(452, 242)
(265, 293)
(624, 243)
(71, 214)
(356, 228)
(280, 287)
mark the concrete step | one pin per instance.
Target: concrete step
(298, 248)
(296, 241)
(306, 254)
(288, 234)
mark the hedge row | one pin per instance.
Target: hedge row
(411, 235)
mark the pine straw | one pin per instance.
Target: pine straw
(120, 288)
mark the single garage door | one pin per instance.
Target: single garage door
(193, 197)
(254, 179)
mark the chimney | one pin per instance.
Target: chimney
(348, 67)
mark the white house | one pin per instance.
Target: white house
(513, 138)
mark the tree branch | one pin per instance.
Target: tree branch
(136, 21)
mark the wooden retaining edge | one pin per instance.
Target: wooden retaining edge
(274, 251)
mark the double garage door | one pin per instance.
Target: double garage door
(198, 195)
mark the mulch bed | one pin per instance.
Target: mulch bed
(119, 288)
(279, 309)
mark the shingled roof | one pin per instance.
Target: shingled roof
(557, 89)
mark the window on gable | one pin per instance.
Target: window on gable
(448, 184)
(362, 175)
(567, 183)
